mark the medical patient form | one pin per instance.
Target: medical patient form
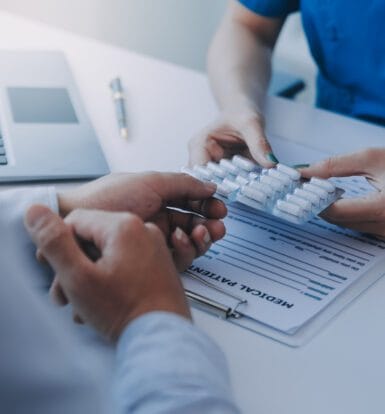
(286, 273)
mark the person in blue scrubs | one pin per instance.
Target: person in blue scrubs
(346, 39)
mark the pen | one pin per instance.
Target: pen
(120, 108)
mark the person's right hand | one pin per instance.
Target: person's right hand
(134, 275)
(365, 214)
(232, 134)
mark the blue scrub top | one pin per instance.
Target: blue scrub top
(347, 40)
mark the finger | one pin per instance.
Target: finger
(57, 294)
(56, 242)
(215, 151)
(340, 166)
(175, 187)
(40, 257)
(376, 229)
(92, 226)
(198, 153)
(184, 250)
(188, 222)
(259, 146)
(211, 208)
(202, 239)
(371, 209)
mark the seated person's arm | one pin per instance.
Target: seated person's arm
(44, 369)
(133, 294)
(239, 65)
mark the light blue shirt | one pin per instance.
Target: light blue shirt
(162, 364)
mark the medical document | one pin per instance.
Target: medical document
(287, 273)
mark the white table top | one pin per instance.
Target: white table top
(342, 370)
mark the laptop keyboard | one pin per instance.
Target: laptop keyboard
(3, 155)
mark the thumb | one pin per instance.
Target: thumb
(56, 242)
(259, 146)
(339, 166)
(174, 186)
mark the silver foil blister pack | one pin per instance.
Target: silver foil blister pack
(279, 191)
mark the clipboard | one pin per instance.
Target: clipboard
(229, 307)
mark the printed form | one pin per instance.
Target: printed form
(287, 273)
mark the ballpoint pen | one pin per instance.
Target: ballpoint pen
(120, 108)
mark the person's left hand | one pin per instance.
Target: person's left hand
(149, 195)
(365, 214)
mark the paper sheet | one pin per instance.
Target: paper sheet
(287, 273)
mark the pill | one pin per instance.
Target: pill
(254, 194)
(290, 208)
(284, 178)
(216, 169)
(316, 190)
(231, 184)
(253, 176)
(229, 166)
(244, 163)
(262, 187)
(203, 172)
(325, 184)
(305, 204)
(291, 172)
(313, 198)
(225, 190)
(241, 180)
(289, 217)
(275, 184)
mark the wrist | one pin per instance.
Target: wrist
(243, 105)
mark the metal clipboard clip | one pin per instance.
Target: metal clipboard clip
(220, 309)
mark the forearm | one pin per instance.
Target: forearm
(239, 66)
(166, 365)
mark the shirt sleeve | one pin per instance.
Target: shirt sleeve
(272, 8)
(13, 206)
(166, 365)
(44, 368)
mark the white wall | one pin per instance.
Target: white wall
(175, 30)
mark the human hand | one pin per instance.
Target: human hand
(134, 274)
(366, 214)
(149, 195)
(232, 134)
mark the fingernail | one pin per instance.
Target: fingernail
(181, 236)
(300, 166)
(35, 215)
(271, 157)
(207, 237)
(211, 186)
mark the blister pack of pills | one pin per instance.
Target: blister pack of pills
(279, 191)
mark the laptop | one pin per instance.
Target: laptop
(45, 133)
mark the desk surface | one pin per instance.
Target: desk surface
(342, 370)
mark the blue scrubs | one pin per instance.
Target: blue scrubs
(347, 40)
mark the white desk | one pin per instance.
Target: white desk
(343, 369)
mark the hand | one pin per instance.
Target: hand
(149, 195)
(134, 275)
(233, 134)
(365, 214)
